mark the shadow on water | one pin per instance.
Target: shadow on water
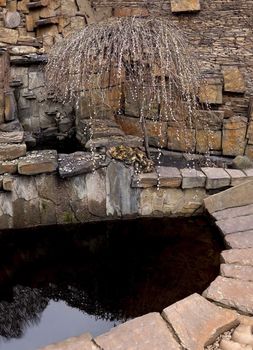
(106, 272)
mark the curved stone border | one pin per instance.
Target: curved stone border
(194, 322)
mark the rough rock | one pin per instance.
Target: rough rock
(233, 79)
(149, 332)
(185, 5)
(11, 137)
(232, 293)
(240, 240)
(38, 162)
(128, 140)
(207, 140)
(168, 177)
(237, 176)
(243, 335)
(242, 162)
(8, 36)
(234, 133)
(12, 19)
(181, 139)
(237, 224)
(130, 11)
(79, 163)
(8, 182)
(96, 193)
(238, 256)
(10, 167)
(83, 342)
(244, 273)
(216, 178)
(11, 151)
(192, 178)
(211, 93)
(197, 322)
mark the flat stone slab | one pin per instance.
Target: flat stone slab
(237, 176)
(169, 177)
(192, 178)
(216, 178)
(149, 332)
(237, 224)
(233, 197)
(12, 151)
(197, 322)
(240, 240)
(38, 162)
(249, 173)
(231, 292)
(9, 166)
(83, 342)
(11, 137)
(104, 142)
(244, 273)
(233, 212)
(79, 163)
(145, 180)
(238, 256)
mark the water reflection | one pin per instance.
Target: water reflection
(88, 278)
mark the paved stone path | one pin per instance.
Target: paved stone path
(195, 322)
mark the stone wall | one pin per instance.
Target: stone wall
(219, 31)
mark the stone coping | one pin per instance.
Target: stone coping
(196, 322)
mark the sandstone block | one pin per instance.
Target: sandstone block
(244, 273)
(12, 151)
(181, 139)
(192, 178)
(237, 224)
(148, 332)
(237, 176)
(240, 240)
(130, 11)
(11, 137)
(233, 212)
(234, 136)
(83, 342)
(8, 182)
(185, 5)
(233, 79)
(249, 151)
(8, 36)
(197, 322)
(216, 178)
(207, 140)
(232, 293)
(38, 162)
(211, 93)
(238, 256)
(10, 167)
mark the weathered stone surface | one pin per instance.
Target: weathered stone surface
(128, 140)
(11, 151)
(10, 167)
(244, 273)
(249, 151)
(130, 11)
(79, 163)
(242, 162)
(211, 93)
(232, 293)
(216, 178)
(233, 79)
(207, 140)
(167, 177)
(233, 138)
(197, 322)
(185, 5)
(12, 19)
(233, 212)
(192, 178)
(8, 36)
(8, 182)
(237, 224)
(11, 126)
(96, 193)
(83, 342)
(10, 107)
(148, 332)
(249, 173)
(234, 197)
(237, 176)
(11, 137)
(238, 256)
(240, 240)
(181, 139)
(38, 162)
(47, 212)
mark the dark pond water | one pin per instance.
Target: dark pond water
(58, 282)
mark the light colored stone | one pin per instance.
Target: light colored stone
(211, 93)
(169, 177)
(38, 162)
(181, 139)
(238, 256)
(216, 178)
(185, 5)
(234, 197)
(148, 332)
(232, 293)
(11, 137)
(237, 224)
(83, 342)
(8, 36)
(207, 140)
(233, 79)
(12, 19)
(10, 167)
(233, 212)
(240, 240)
(234, 136)
(231, 345)
(197, 322)
(244, 273)
(248, 173)
(11, 151)
(243, 335)
(96, 193)
(237, 176)
(192, 178)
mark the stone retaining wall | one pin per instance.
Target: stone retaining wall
(223, 46)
